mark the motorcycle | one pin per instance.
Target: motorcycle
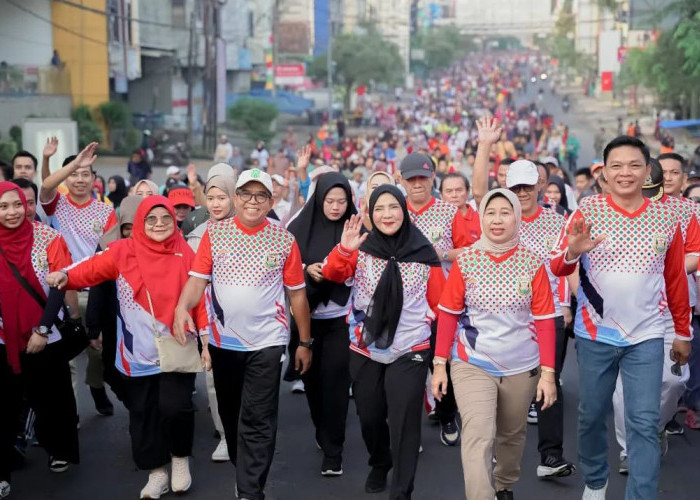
(169, 153)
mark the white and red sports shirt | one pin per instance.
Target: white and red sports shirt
(539, 233)
(80, 225)
(440, 222)
(137, 354)
(249, 270)
(497, 299)
(49, 254)
(422, 286)
(632, 277)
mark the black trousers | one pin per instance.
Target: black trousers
(247, 390)
(161, 417)
(327, 383)
(550, 422)
(389, 400)
(445, 410)
(46, 382)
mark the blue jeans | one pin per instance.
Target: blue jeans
(641, 367)
(691, 398)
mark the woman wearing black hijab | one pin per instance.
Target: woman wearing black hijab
(317, 230)
(397, 285)
(116, 186)
(556, 194)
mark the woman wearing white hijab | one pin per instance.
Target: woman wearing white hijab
(498, 357)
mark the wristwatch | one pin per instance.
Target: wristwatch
(306, 344)
(42, 330)
(444, 255)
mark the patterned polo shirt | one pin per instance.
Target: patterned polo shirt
(80, 225)
(248, 270)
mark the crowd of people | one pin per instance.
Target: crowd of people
(437, 269)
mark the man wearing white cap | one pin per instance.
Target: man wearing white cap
(249, 262)
(539, 230)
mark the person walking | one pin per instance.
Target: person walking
(150, 269)
(631, 266)
(32, 361)
(497, 362)
(250, 262)
(398, 281)
(317, 230)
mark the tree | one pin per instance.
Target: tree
(88, 130)
(360, 59)
(255, 116)
(441, 48)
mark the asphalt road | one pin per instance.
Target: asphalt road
(107, 470)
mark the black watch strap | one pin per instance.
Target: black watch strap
(306, 344)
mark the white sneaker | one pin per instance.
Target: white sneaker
(298, 387)
(4, 489)
(221, 452)
(532, 414)
(181, 479)
(157, 484)
(591, 494)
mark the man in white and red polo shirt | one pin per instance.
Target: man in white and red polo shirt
(249, 262)
(79, 217)
(631, 268)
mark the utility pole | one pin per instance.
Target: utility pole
(329, 63)
(273, 29)
(191, 61)
(206, 103)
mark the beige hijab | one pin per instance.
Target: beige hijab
(127, 212)
(150, 184)
(227, 184)
(375, 174)
(484, 243)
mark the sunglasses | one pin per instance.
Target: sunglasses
(522, 187)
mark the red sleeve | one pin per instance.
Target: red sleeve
(447, 327)
(58, 255)
(340, 265)
(546, 340)
(293, 274)
(202, 265)
(93, 271)
(557, 258)
(436, 284)
(111, 221)
(692, 237)
(461, 235)
(50, 206)
(677, 286)
(199, 314)
(452, 299)
(542, 304)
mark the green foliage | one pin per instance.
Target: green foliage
(16, 134)
(687, 37)
(442, 47)
(255, 117)
(116, 114)
(88, 131)
(360, 59)
(7, 150)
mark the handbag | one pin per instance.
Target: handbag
(74, 337)
(172, 356)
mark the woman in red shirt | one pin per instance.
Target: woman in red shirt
(498, 355)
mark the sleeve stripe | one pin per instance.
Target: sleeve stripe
(296, 287)
(546, 316)
(199, 275)
(449, 311)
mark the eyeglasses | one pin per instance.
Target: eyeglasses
(153, 220)
(522, 187)
(259, 197)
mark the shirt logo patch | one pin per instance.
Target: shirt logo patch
(550, 242)
(272, 260)
(660, 243)
(43, 262)
(524, 286)
(97, 226)
(435, 234)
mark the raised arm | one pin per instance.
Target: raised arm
(489, 133)
(49, 151)
(84, 159)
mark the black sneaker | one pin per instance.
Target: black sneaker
(332, 467)
(504, 495)
(553, 466)
(532, 414)
(57, 465)
(102, 403)
(673, 428)
(449, 433)
(376, 480)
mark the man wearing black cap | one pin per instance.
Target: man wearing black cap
(440, 223)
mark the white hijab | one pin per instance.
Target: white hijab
(484, 243)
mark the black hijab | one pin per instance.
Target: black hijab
(407, 245)
(121, 192)
(563, 207)
(316, 236)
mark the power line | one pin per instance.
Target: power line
(55, 25)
